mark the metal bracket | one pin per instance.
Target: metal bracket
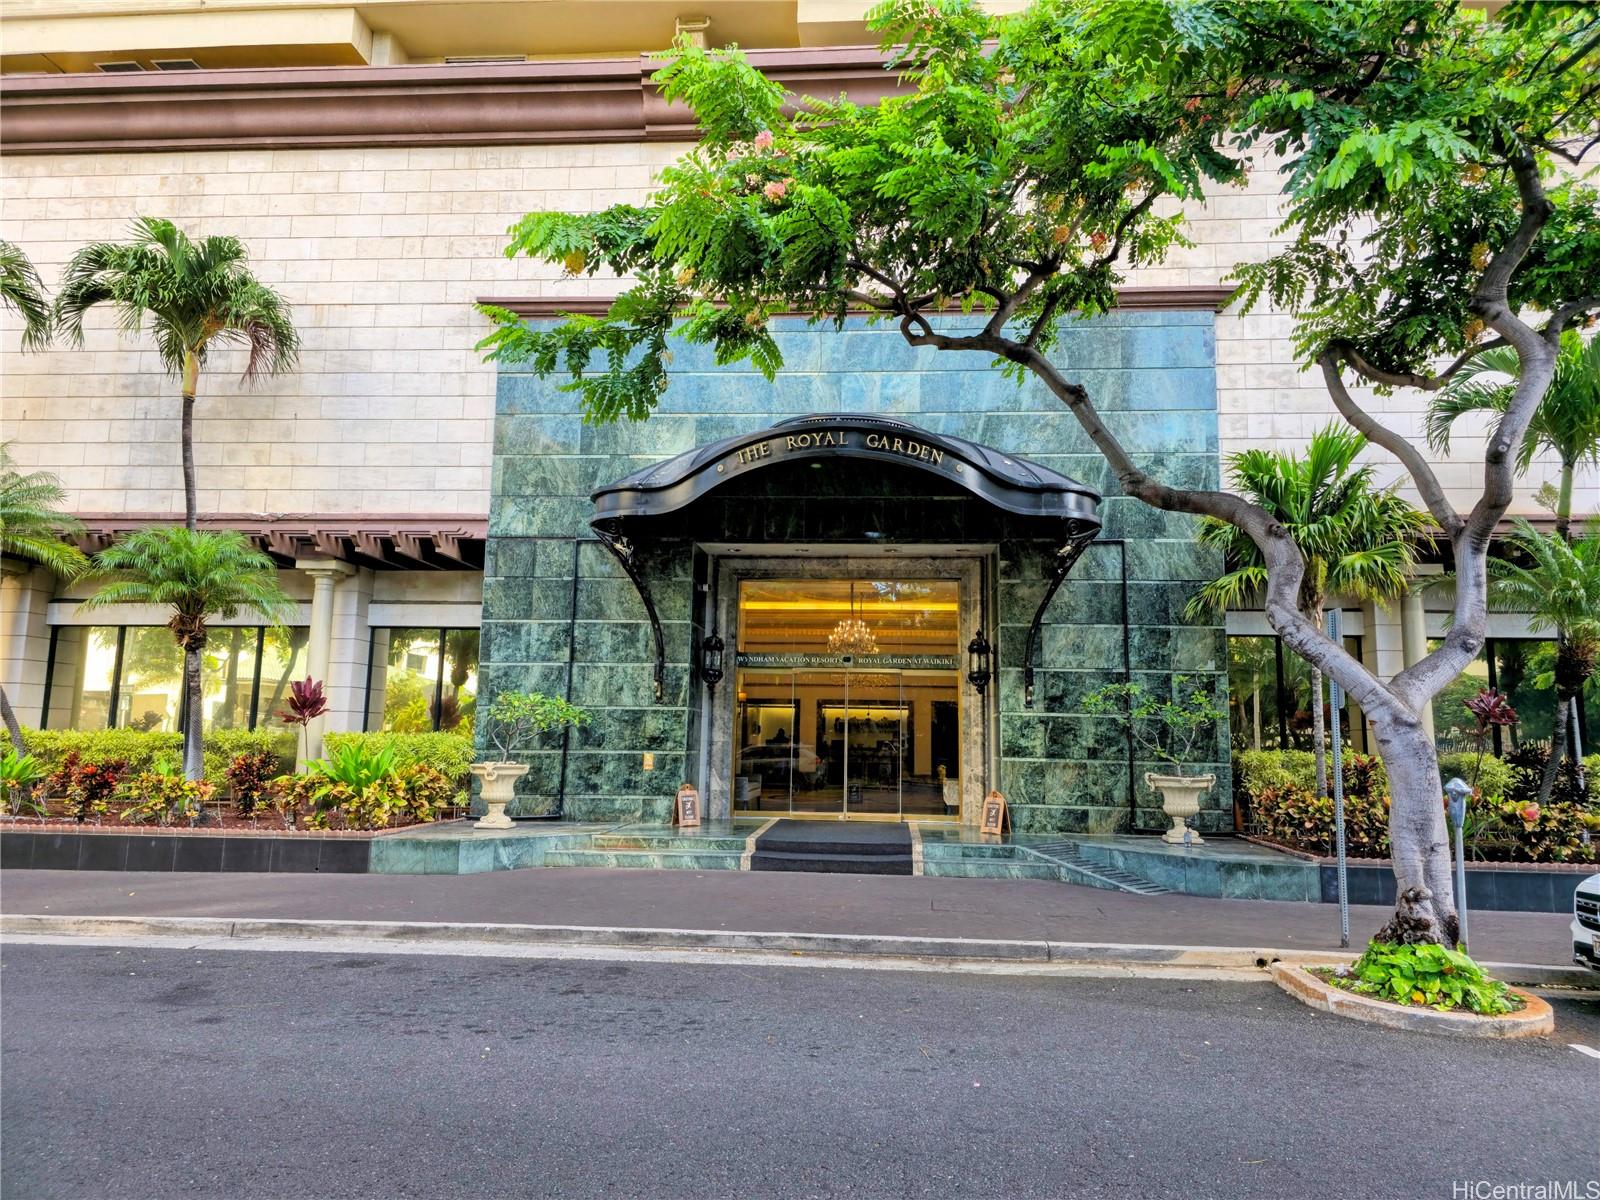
(1078, 536)
(623, 550)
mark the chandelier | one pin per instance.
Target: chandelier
(852, 635)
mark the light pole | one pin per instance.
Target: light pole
(1458, 790)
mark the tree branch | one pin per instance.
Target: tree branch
(1427, 383)
(1411, 458)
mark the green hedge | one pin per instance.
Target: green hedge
(450, 753)
(140, 748)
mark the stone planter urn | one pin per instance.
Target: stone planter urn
(499, 787)
(1180, 800)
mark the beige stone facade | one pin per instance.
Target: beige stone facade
(382, 252)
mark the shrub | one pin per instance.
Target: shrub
(450, 754)
(1504, 821)
(139, 749)
(166, 797)
(1429, 974)
(19, 773)
(250, 775)
(87, 786)
(425, 790)
(1494, 775)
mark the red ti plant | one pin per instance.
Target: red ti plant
(307, 702)
(1488, 708)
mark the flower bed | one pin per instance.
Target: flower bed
(1505, 823)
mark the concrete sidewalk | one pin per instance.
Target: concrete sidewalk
(755, 902)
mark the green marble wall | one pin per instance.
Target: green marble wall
(1153, 374)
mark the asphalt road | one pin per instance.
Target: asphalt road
(145, 1073)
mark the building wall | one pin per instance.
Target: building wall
(382, 252)
(1061, 769)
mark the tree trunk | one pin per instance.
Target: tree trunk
(1558, 747)
(10, 718)
(1564, 503)
(1419, 841)
(191, 378)
(193, 735)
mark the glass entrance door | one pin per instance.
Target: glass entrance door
(847, 699)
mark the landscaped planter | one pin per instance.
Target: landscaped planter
(1491, 886)
(63, 847)
(1534, 1019)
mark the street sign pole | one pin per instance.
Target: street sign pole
(1336, 703)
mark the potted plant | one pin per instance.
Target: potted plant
(1167, 729)
(510, 726)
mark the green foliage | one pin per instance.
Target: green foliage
(1022, 168)
(87, 786)
(193, 295)
(355, 765)
(18, 775)
(1567, 423)
(23, 294)
(515, 719)
(1557, 584)
(1358, 539)
(1169, 727)
(1493, 774)
(32, 525)
(250, 777)
(1427, 974)
(448, 753)
(166, 798)
(140, 749)
(1504, 823)
(199, 575)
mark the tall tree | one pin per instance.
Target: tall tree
(1031, 158)
(33, 527)
(1357, 539)
(23, 294)
(1557, 583)
(200, 577)
(195, 296)
(1566, 423)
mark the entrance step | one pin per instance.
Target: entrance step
(832, 864)
(656, 860)
(858, 848)
(659, 842)
(1075, 868)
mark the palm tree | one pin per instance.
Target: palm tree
(195, 295)
(1558, 587)
(21, 292)
(198, 576)
(32, 527)
(1566, 424)
(1358, 539)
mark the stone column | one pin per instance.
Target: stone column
(1414, 639)
(324, 573)
(25, 592)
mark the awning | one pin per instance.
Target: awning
(1005, 480)
(1066, 511)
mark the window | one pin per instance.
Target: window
(1269, 697)
(422, 679)
(131, 677)
(1520, 668)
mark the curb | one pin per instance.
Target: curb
(1535, 1020)
(836, 945)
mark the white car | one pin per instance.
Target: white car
(1586, 923)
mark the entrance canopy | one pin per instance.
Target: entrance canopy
(1065, 510)
(1007, 481)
